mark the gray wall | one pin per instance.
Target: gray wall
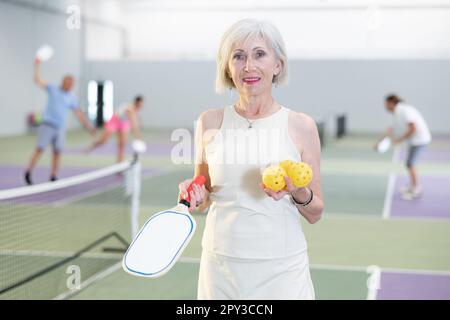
(22, 31)
(177, 92)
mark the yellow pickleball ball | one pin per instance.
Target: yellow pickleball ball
(300, 174)
(273, 177)
(286, 164)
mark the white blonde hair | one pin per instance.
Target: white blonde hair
(243, 30)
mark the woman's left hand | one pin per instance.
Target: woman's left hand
(277, 195)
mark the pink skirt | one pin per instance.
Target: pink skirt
(116, 124)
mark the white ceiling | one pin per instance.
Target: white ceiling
(288, 4)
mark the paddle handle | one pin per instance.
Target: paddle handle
(198, 180)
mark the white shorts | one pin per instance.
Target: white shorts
(227, 278)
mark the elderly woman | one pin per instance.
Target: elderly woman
(253, 243)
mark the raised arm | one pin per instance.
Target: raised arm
(37, 74)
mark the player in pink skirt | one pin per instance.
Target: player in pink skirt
(121, 122)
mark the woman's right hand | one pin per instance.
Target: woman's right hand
(198, 195)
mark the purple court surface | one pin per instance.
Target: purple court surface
(414, 286)
(441, 138)
(12, 176)
(153, 149)
(434, 202)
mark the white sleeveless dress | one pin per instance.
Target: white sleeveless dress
(253, 246)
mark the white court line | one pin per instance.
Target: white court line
(57, 254)
(195, 260)
(390, 270)
(373, 282)
(389, 196)
(418, 271)
(390, 187)
(335, 267)
(422, 218)
(371, 294)
(189, 260)
(396, 154)
(350, 216)
(362, 216)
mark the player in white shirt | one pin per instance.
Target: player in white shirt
(408, 126)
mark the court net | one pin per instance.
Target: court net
(56, 238)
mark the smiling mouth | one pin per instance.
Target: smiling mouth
(251, 80)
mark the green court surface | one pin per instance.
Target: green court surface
(181, 283)
(367, 193)
(351, 236)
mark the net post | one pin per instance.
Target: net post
(135, 196)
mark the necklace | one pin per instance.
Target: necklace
(250, 123)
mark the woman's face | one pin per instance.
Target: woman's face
(252, 66)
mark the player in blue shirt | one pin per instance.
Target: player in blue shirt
(52, 130)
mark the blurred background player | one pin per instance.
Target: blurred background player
(408, 126)
(52, 130)
(120, 122)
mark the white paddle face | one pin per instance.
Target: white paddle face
(44, 53)
(139, 146)
(384, 145)
(160, 243)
